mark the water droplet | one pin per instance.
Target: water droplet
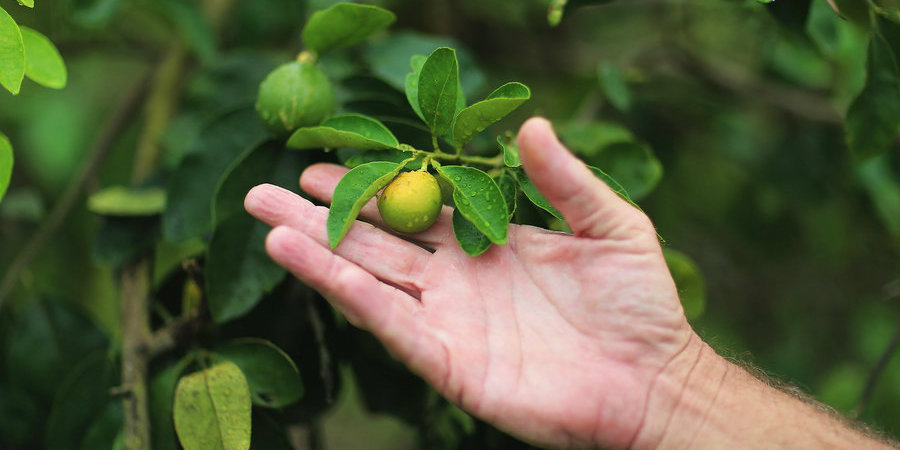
(488, 207)
(457, 178)
(474, 194)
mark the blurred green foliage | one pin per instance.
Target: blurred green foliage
(726, 117)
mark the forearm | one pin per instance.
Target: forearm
(712, 403)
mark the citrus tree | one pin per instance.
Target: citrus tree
(138, 308)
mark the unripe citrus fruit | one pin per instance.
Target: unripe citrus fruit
(296, 94)
(411, 203)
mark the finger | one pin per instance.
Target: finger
(590, 207)
(319, 181)
(394, 317)
(386, 256)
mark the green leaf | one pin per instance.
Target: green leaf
(472, 241)
(510, 153)
(51, 337)
(354, 189)
(389, 57)
(344, 24)
(632, 164)
(238, 270)
(345, 130)
(212, 409)
(439, 89)
(121, 239)
(192, 187)
(614, 185)
(411, 86)
(167, 256)
(352, 158)
(12, 54)
(589, 138)
(105, 427)
(28, 3)
(273, 377)
(479, 199)
(873, 119)
(507, 185)
(161, 399)
(82, 396)
(613, 85)
(43, 63)
(688, 280)
(6, 164)
(125, 201)
(475, 118)
(531, 191)
(267, 163)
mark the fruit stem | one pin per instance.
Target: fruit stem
(307, 56)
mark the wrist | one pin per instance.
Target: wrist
(700, 400)
(682, 396)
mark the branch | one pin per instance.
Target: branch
(135, 288)
(115, 124)
(876, 372)
(174, 333)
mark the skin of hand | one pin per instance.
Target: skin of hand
(563, 340)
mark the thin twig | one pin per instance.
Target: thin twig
(115, 124)
(875, 374)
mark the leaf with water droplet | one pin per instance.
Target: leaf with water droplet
(507, 185)
(354, 189)
(492, 222)
(475, 118)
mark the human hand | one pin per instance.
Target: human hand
(558, 339)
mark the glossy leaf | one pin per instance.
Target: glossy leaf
(688, 281)
(125, 201)
(389, 58)
(6, 164)
(439, 90)
(352, 158)
(510, 153)
(105, 427)
(192, 186)
(273, 377)
(43, 63)
(354, 189)
(344, 24)
(475, 118)
(12, 53)
(238, 270)
(411, 87)
(633, 165)
(471, 241)
(479, 199)
(28, 3)
(873, 119)
(531, 191)
(212, 409)
(507, 185)
(345, 130)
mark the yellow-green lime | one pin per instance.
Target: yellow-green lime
(411, 202)
(296, 94)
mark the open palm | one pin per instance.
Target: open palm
(555, 338)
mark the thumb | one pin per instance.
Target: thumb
(590, 207)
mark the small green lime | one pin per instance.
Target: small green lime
(296, 94)
(411, 203)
